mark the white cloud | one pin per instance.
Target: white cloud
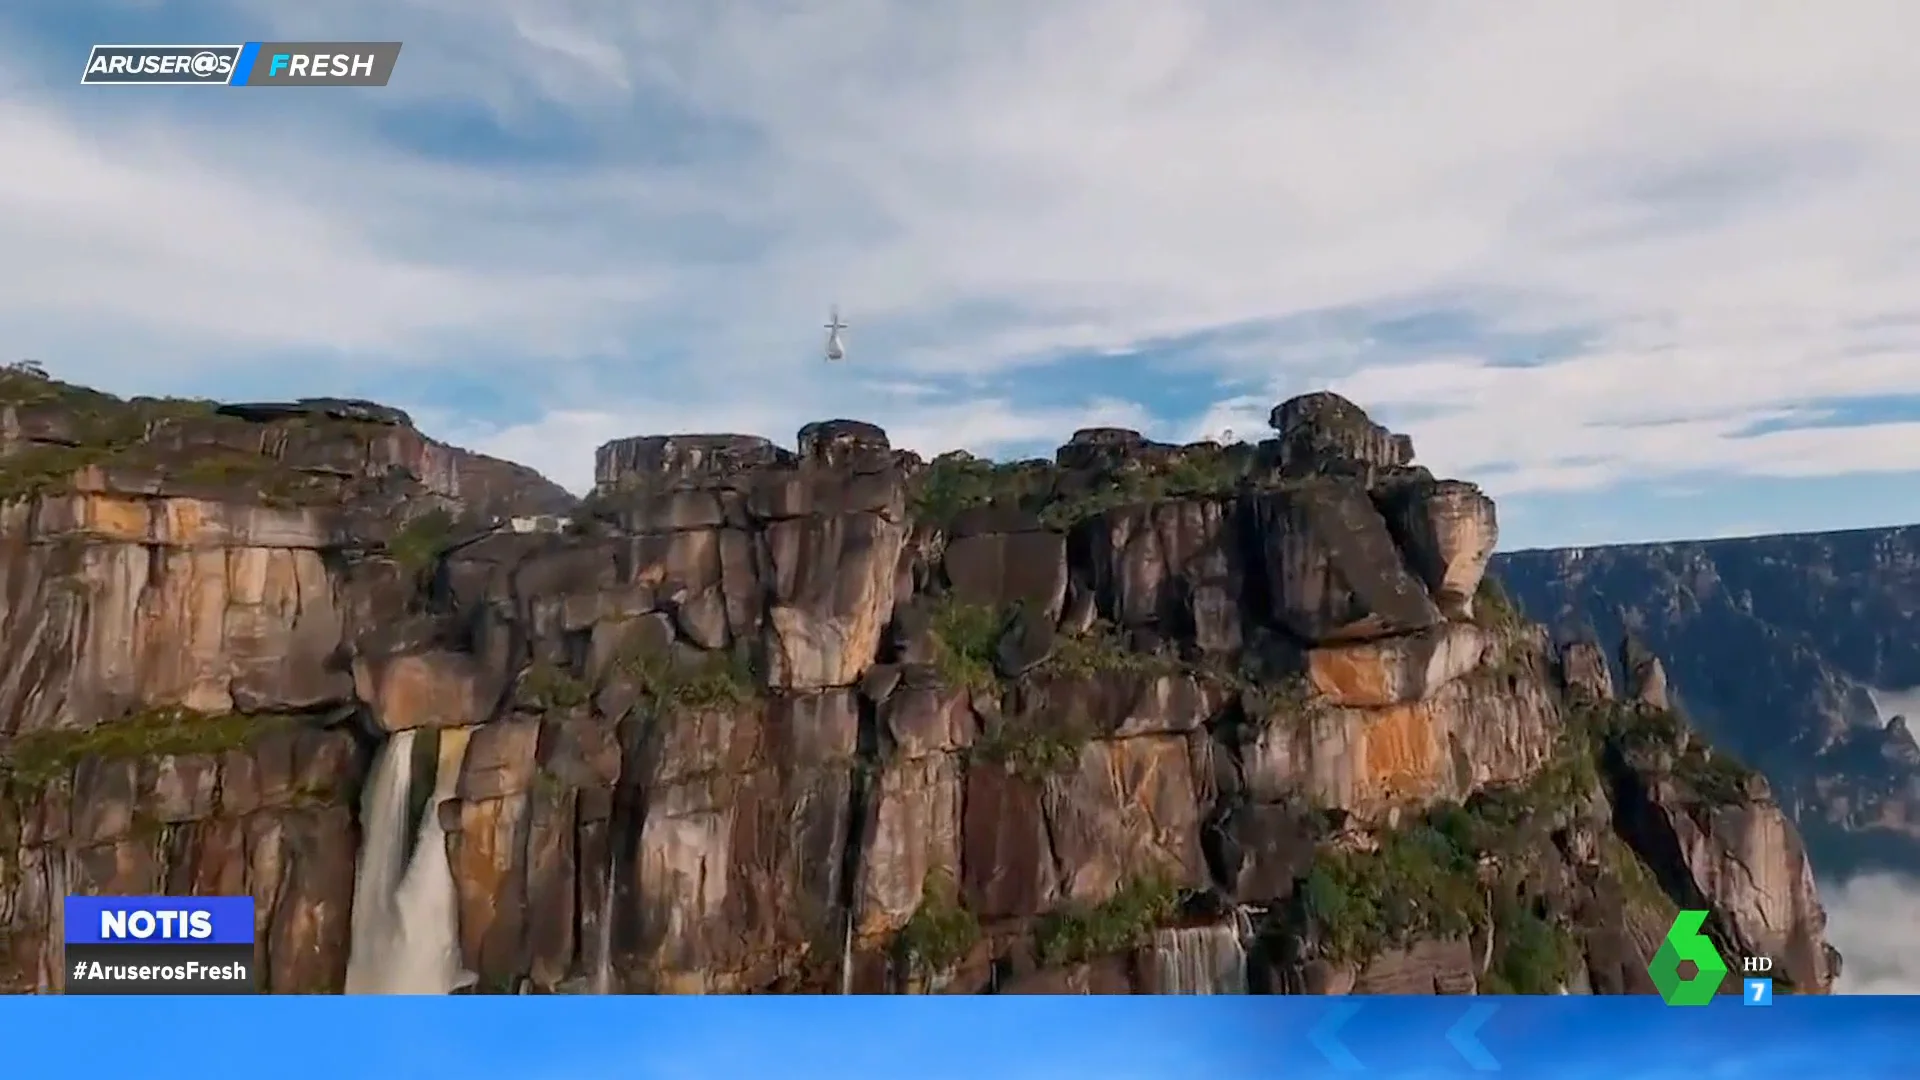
(1870, 919)
(1719, 202)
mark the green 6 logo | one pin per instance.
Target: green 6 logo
(1686, 942)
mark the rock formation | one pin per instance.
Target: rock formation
(1144, 718)
(1777, 646)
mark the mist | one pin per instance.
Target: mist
(1892, 703)
(1874, 920)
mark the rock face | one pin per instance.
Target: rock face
(1777, 646)
(1145, 718)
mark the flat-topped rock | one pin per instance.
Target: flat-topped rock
(1322, 430)
(349, 409)
(1107, 436)
(1106, 448)
(845, 442)
(667, 459)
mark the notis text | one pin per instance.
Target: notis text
(155, 925)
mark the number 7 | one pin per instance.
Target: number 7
(1757, 991)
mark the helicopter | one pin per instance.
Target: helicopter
(836, 350)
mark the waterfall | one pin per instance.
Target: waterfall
(54, 968)
(1200, 960)
(603, 932)
(383, 821)
(405, 913)
(846, 954)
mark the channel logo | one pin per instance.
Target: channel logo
(1686, 946)
(256, 63)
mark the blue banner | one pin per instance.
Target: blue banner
(979, 1038)
(1570, 1038)
(159, 920)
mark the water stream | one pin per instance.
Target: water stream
(846, 954)
(603, 933)
(405, 911)
(1208, 959)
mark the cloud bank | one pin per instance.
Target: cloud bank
(1569, 248)
(1871, 920)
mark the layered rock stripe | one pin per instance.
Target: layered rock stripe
(836, 717)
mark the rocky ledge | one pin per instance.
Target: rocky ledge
(1142, 718)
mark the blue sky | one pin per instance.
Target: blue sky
(1645, 274)
(951, 1038)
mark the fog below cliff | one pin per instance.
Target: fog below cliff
(1892, 703)
(1871, 920)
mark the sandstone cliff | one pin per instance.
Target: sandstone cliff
(1142, 718)
(1831, 618)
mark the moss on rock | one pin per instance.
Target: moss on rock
(40, 757)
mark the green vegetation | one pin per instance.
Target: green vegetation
(1100, 651)
(1509, 657)
(1636, 880)
(1716, 778)
(18, 387)
(1420, 883)
(1183, 475)
(38, 758)
(706, 681)
(965, 636)
(1437, 875)
(110, 432)
(595, 510)
(1075, 933)
(224, 468)
(1460, 869)
(1291, 695)
(1639, 731)
(1031, 751)
(1571, 776)
(1661, 739)
(103, 428)
(956, 482)
(547, 687)
(256, 475)
(1532, 954)
(1493, 609)
(418, 544)
(1266, 692)
(1437, 878)
(941, 932)
(37, 470)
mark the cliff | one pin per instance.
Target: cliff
(1832, 619)
(1143, 718)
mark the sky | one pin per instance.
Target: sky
(1007, 1038)
(1644, 270)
